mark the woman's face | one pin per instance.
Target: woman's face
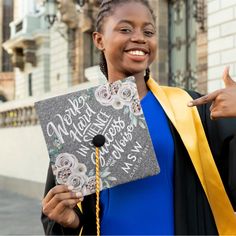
(128, 40)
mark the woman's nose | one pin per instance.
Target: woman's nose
(138, 37)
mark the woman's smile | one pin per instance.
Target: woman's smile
(137, 54)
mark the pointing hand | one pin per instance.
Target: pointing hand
(223, 100)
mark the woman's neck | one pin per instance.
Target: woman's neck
(140, 82)
(141, 86)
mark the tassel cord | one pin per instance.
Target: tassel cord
(97, 191)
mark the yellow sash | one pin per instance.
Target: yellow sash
(188, 124)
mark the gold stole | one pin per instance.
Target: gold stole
(188, 124)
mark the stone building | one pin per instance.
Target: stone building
(7, 82)
(28, 46)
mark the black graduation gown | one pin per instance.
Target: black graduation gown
(192, 211)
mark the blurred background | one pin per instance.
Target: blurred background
(47, 50)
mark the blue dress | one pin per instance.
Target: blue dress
(144, 206)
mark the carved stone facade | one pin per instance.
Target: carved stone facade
(28, 47)
(68, 12)
(85, 53)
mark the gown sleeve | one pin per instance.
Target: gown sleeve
(221, 135)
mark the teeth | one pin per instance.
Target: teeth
(137, 53)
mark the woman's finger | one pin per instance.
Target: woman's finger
(65, 204)
(216, 114)
(212, 106)
(58, 198)
(54, 191)
(228, 81)
(204, 99)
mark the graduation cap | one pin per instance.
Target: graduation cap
(100, 128)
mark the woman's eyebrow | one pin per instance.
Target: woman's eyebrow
(131, 23)
(125, 21)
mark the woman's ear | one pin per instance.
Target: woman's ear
(98, 40)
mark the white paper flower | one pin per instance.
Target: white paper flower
(127, 91)
(62, 174)
(103, 95)
(117, 103)
(114, 87)
(91, 185)
(135, 107)
(78, 181)
(81, 169)
(66, 159)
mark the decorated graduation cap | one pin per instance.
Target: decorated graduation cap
(100, 128)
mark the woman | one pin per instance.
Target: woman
(174, 201)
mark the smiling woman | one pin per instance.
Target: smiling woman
(133, 38)
(181, 199)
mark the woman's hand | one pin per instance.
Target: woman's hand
(58, 205)
(223, 100)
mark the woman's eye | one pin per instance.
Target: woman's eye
(125, 30)
(149, 33)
